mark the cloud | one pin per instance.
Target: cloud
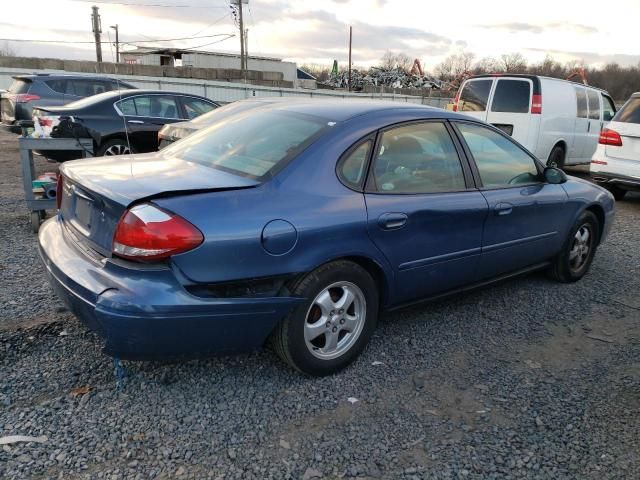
(517, 27)
(591, 58)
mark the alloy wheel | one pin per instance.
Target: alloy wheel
(581, 247)
(335, 320)
(118, 149)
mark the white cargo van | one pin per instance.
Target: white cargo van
(557, 120)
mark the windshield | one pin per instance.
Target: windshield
(225, 111)
(252, 144)
(92, 100)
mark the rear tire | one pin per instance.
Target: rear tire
(115, 146)
(617, 192)
(328, 331)
(556, 157)
(574, 260)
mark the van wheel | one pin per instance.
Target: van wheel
(327, 332)
(556, 157)
(617, 192)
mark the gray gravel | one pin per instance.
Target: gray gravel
(527, 379)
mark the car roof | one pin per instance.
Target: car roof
(532, 77)
(343, 109)
(64, 76)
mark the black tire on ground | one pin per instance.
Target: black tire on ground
(575, 258)
(556, 157)
(617, 192)
(289, 340)
(114, 145)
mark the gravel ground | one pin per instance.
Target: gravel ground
(527, 379)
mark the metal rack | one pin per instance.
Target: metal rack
(39, 206)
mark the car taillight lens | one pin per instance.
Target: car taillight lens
(25, 97)
(536, 104)
(59, 187)
(146, 232)
(610, 137)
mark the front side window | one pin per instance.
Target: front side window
(594, 104)
(511, 96)
(581, 103)
(630, 111)
(417, 158)
(474, 96)
(252, 144)
(194, 107)
(500, 162)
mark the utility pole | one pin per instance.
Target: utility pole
(350, 39)
(243, 66)
(97, 30)
(246, 48)
(115, 27)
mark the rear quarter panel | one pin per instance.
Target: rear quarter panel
(558, 118)
(583, 195)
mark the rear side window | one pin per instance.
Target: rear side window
(630, 112)
(500, 162)
(19, 86)
(194, 107)
(474, 96)
(157, 106)
(352, 167)
(581, 101)
(594, 104)
(609, 109)
(511, 96)
(419, 158)
(58, 86)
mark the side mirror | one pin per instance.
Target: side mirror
(554, 175)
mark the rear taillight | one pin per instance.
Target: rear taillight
(25, 97)
(59, 186)
(610, 137)
(536, 104)
(146, 232)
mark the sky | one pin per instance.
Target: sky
(318, 31)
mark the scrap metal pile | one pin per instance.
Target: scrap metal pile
(376, 76)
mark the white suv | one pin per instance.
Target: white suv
(616, 163)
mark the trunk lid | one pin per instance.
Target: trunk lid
(96, 192)
(630, 135)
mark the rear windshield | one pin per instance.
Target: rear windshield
(19, 86)
(253, 144)
(511, 96)
(224, 112)
(475, 95)
(630, 112)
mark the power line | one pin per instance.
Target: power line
(32, 40)
(211, 43)
(159, 5)
(212, 24)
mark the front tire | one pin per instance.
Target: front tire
(556, 157)
(617, 192)
(330, 329)
(573, 262)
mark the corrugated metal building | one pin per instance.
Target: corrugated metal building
(176, 57)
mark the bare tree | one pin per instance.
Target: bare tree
(455, 65)
(486, 65)
(7, 50)
(513, 62)
(391, 60)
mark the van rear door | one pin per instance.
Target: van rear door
(474, 97)
(510, 109)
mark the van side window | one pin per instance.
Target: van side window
(581, 99)
(511, 96)
(594, 104)
(474, 96)
(609, 109)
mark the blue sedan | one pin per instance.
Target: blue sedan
(299, 222)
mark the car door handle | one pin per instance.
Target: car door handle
(589, 126)
(137, 122)
(503, 208)
(392, 221)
